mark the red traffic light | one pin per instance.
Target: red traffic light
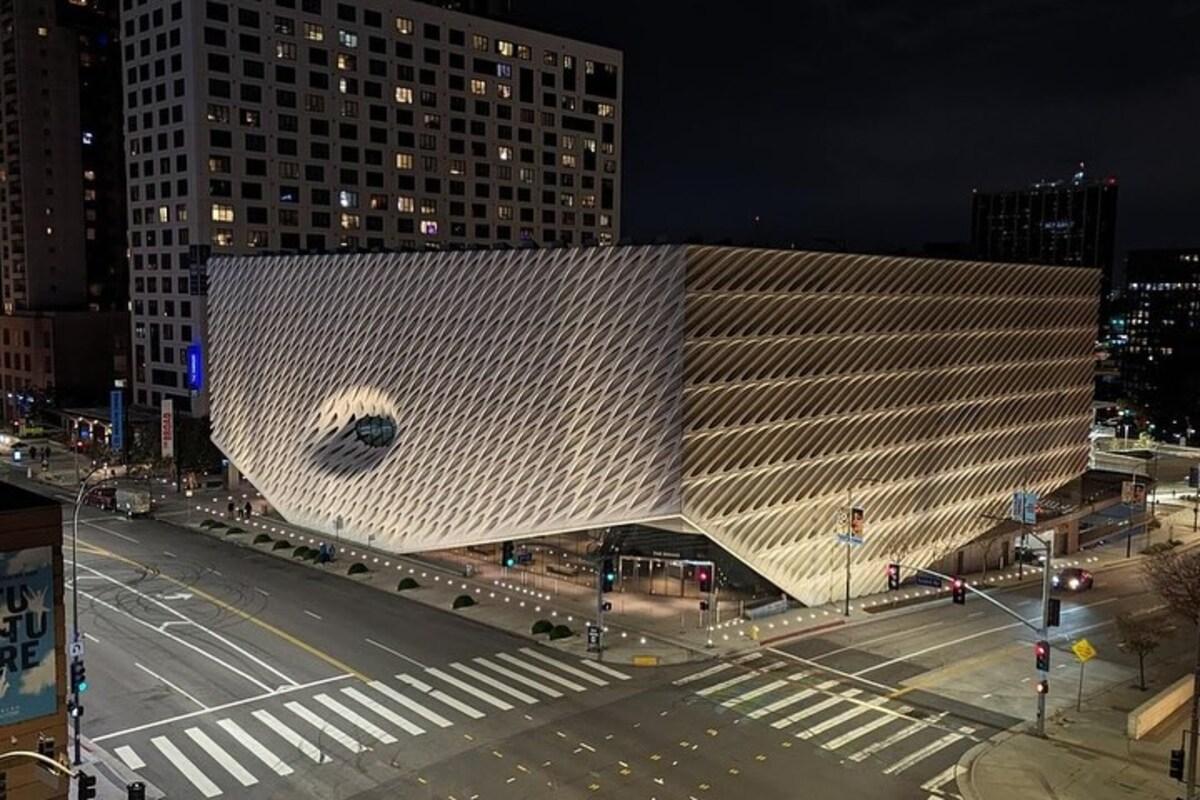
(702, 575)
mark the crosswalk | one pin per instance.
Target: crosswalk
(850, 721)
(223, 755)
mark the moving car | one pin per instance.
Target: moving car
(1072, 579)
(133, 502)
(104, 497)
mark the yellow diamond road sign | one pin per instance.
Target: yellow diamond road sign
(1083, 650)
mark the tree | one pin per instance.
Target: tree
(1175, 577)
(1140, 636)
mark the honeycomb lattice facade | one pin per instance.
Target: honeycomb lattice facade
(749, 395)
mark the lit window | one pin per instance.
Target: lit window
(568, 159)
(314, 32)
(222, 237)
(504, 48)
(589, 67)
(257, 239)
(348, 199)
(347, 38)
(605, 221)
(43, 31)
(429, 227)
(504, 70)
(405, 205)
(89, 137)
(89, 174)
(505, 153)
(181, 214)
(433, 121)
(404, 25)
(347, 61)
(428, 206)
(349, 108)
(605, 110)
(379, 202)
(222, 213)
(589, 145)
(567, 199)
(285, 51)
(504, 91)
(523, 52)
(568, 62)
(458, 166)
(404, 94)
(550, 58)
(478, 86)
(566, 141)
(504, 212)
(404, 161)
(587, 200)
(350, 222)
(218, 164)
(164, 214)
(527, 175)
(218, 113)
(479, 42)
(285, 26)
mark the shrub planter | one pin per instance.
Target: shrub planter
(463, 601)
(281, 544)
(262, 538)
(211, 523)
(357, 568)
(234, 529)
(311, 554)
(542, 626)
(406, 584)
(560, 632)
(300, 552)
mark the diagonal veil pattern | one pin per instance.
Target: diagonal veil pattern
(749, 395)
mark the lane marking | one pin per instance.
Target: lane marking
(131, 759)
(291, 737)
(567, 668)
(864, 729)
(815, 708)
(263, 592)
(839, 719)
(716, 687)
(895, 738)
(519, 678)
(101, 528)
(186, 767)
(541, 673)
(790, 700)
(926, 751)
(701, 675)
(326, 728)
(746, 697)
(272, 761)
(824, 668)
(169, 554)
(311, 614)
(396, 653)
(411, 705)
(355, 719)
(441, 696)
(383, 711)
(169, 685)
(495, 684)
(218, 754)
(224, 706)
(607, 670)
(91, 638)
(471, 690)
(876, 640)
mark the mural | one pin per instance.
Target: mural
(28, 671)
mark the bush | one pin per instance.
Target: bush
(209, 523)
(463, 601)
(262, 538)
(560, 632)
(233, 529)
(357, 568)
(542, 626)
(311, 554)
(1161, 547)
(406, 584)
(300, 552)
(280, 544)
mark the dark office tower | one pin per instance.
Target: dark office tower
(1064, 222)
(62, 220)
(1161, 344)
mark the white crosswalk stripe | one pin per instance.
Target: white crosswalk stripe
(495, 684)
(383, 711)
(746, 697)
(926, 751)
(702, 674)
(567, 668)
(223, 759)
(326, 728)
(291, 737)
(936, 783)
(841, 719)
(256, 749)
(725, 684)
(607, 670)
(410, 704)
(503, 705)
(883, 744)
(792, 699)
(541, 673)
(355, 719)
(440, 696)
(815, 708)
(746, 659)
(130, 758)
(864, 729)
(519, 678)
(185, 766)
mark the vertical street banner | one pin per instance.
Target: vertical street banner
(167, 424)
(195, 367)
(116, 415)
(28, 668)
(1024, 508)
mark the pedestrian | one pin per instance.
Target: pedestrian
(248, 509)
(230, 508)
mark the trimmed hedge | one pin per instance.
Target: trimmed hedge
(407, 583)
(560, 632)
(212, 523)
(1161, 547)
(262, 538)
(357, 568)
(234, 529)
(300, 552)
(311, 554)
(463, 601)
(280, 544)
(542, 626)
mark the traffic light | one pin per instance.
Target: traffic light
(608, 576)
(1041, 651)
(959, 589)
(893, 575)
(704, 577)
(136, 791)
(1177, 764)
(508, 556)
(3, 786)
(87, 786)
(79, 682)
(1043, 687)
(1054, 617)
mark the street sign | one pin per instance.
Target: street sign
(116, 416)
(76, 650)
(1083, 650)
(1024, 508)
(929, 580)
(846, 538)
(593, 637)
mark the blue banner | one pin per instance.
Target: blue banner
(195, 367)
(28, 672)
(116, 413)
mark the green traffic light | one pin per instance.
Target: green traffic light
(82, 686)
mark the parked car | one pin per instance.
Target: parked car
(1028, 555)
(104, 498)
(1072, 579)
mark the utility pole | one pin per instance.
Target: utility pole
(75, 636)
(1045, 628)
(1194, 732)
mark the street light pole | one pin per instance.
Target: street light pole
(1044, 630)
(82, 493)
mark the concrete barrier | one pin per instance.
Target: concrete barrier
(1154, 711)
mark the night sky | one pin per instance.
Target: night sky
(868, 123)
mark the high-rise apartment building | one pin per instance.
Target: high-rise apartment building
(1063, 222)
(62, 244)
(288, 125)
